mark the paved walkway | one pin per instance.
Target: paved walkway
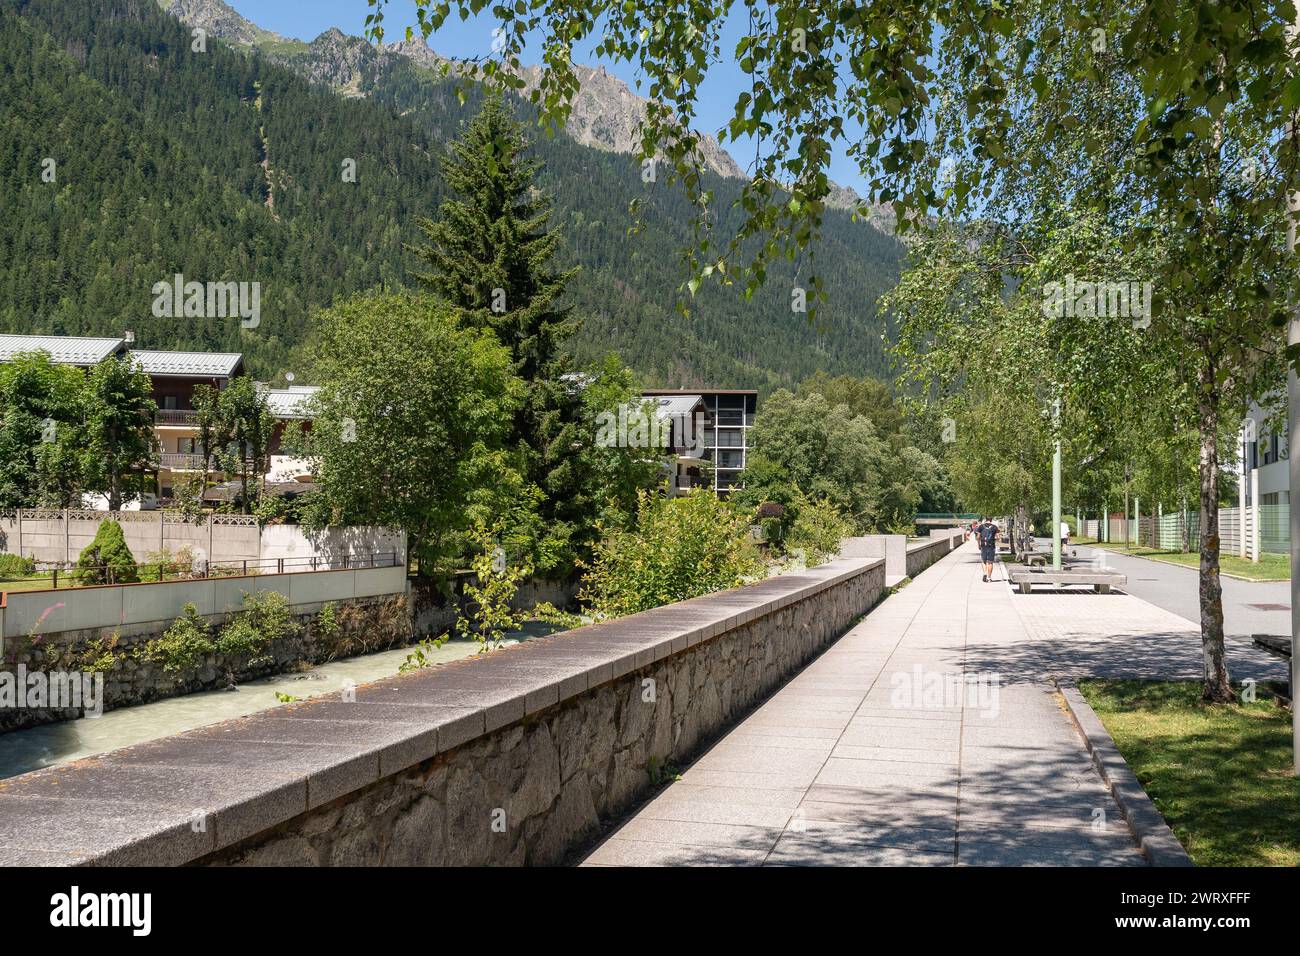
(1249, 607)
(869, 756)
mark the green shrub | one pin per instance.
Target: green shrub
(263, 619)
(818, 529)
(327, 621)
(677, 548)
(107, 559)
(488, 600)
(16, 566)
(183, 645)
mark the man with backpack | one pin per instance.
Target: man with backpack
(987, 534)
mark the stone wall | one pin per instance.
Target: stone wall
(891, 547)
(74, 630)
(520, 756)
(922, 554)
(549, 781)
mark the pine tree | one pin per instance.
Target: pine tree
(489, 253)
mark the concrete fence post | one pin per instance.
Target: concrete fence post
(67, 548)
(1241, 513)
(1256, 536)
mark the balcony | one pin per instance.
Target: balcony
(174, 417)
(174, 461)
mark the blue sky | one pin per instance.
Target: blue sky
(306, 21)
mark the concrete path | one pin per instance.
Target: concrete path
(1249, 607)
(876, 754)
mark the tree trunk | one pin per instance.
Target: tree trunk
(1128, 532)
(1186, 527)
(1217, 687)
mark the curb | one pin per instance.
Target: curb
(1175, 564)
(1149, 828)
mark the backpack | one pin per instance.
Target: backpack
(988, 535)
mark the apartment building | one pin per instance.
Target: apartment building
(174, 376)
(709, 443)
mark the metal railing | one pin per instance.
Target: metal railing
(71, 576)
(185, 461)
(175, 416)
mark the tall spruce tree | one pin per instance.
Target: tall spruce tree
(489, 253)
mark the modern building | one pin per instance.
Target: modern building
(175, 375)
(709, 439)
(1264, 446)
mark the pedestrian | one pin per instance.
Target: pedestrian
(1065, 537)
(988, 534)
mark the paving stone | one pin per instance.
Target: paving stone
(989, 774)
(694, 833)
(620, 852)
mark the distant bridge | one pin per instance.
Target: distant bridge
(945, 520)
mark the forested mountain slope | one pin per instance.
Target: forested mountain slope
(225, 164)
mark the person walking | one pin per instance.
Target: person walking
(987, 534)
(1065, 537)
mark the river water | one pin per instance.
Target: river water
(50, 744)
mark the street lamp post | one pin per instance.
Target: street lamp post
(1056, 487)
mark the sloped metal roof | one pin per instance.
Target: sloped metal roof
(675, 406)
(62, 349)
(290, 402)
(202, 364)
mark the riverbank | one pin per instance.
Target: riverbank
(47, 745)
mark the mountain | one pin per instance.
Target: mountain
(225, 165)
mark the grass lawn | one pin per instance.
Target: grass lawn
(1271, 567)
(1220, 774)
(34, 583)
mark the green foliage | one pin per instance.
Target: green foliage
(490, 593)
(486, 614)
(117, 433)
(40, 414)
(801, 443)
(107, 559)
(182, 646)
(16, 566)
(263, 619)
(160, 165)
(245, 422)
(613, 476)
(871, 79)
(65, 432)
(411, 422)
(817, 530)
(677, 548)
(327, 621)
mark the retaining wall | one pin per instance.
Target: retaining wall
(922, 554)
(517, 757)
(72, 628)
